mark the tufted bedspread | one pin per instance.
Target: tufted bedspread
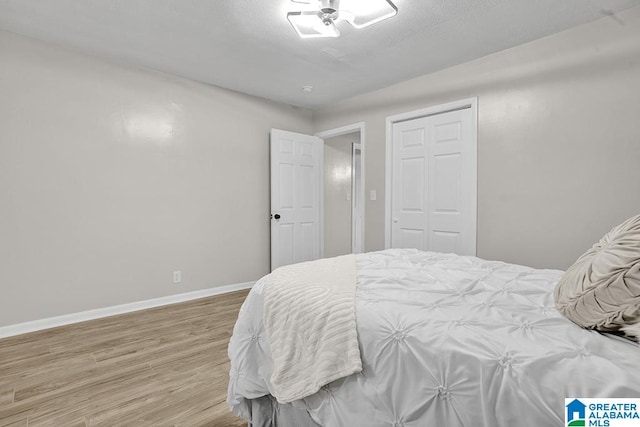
(448, 341)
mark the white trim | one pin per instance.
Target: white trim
(423, 112)
(343, 130)
(321, 198)
(356, 202)
(67, 319)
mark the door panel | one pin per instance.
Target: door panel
(410, 238)
(285, 247)
(446, 183)
(409, 225)
(413, 191)
(295, 197)
(452, 183)
(446, 241)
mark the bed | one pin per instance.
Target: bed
(445, 340)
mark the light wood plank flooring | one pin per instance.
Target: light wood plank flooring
(166, 366)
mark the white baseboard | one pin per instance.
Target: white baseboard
(67, 319)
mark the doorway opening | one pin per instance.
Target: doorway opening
(342, 201)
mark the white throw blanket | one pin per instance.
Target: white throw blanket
(310, 321)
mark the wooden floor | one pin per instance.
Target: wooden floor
(166, 366)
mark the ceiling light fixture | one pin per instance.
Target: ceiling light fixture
(319, 18)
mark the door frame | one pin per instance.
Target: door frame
(343, 130)
(356, 200)
(416, 114)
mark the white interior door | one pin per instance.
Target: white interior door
(434, 183)
(452, 183)
(296, 161)
(409, 191)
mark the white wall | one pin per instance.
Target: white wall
(112, 177)
(337, 186)
(558, 139)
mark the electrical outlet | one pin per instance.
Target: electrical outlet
(177, 277)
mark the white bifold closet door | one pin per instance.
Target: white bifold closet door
(434, 184)
(295, 197)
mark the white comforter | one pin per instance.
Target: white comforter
(449, 341)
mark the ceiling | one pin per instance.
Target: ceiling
(249, 46)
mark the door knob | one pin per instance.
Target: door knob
(395, 220)
(277, 216)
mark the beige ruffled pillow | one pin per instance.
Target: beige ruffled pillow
(602, 289)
